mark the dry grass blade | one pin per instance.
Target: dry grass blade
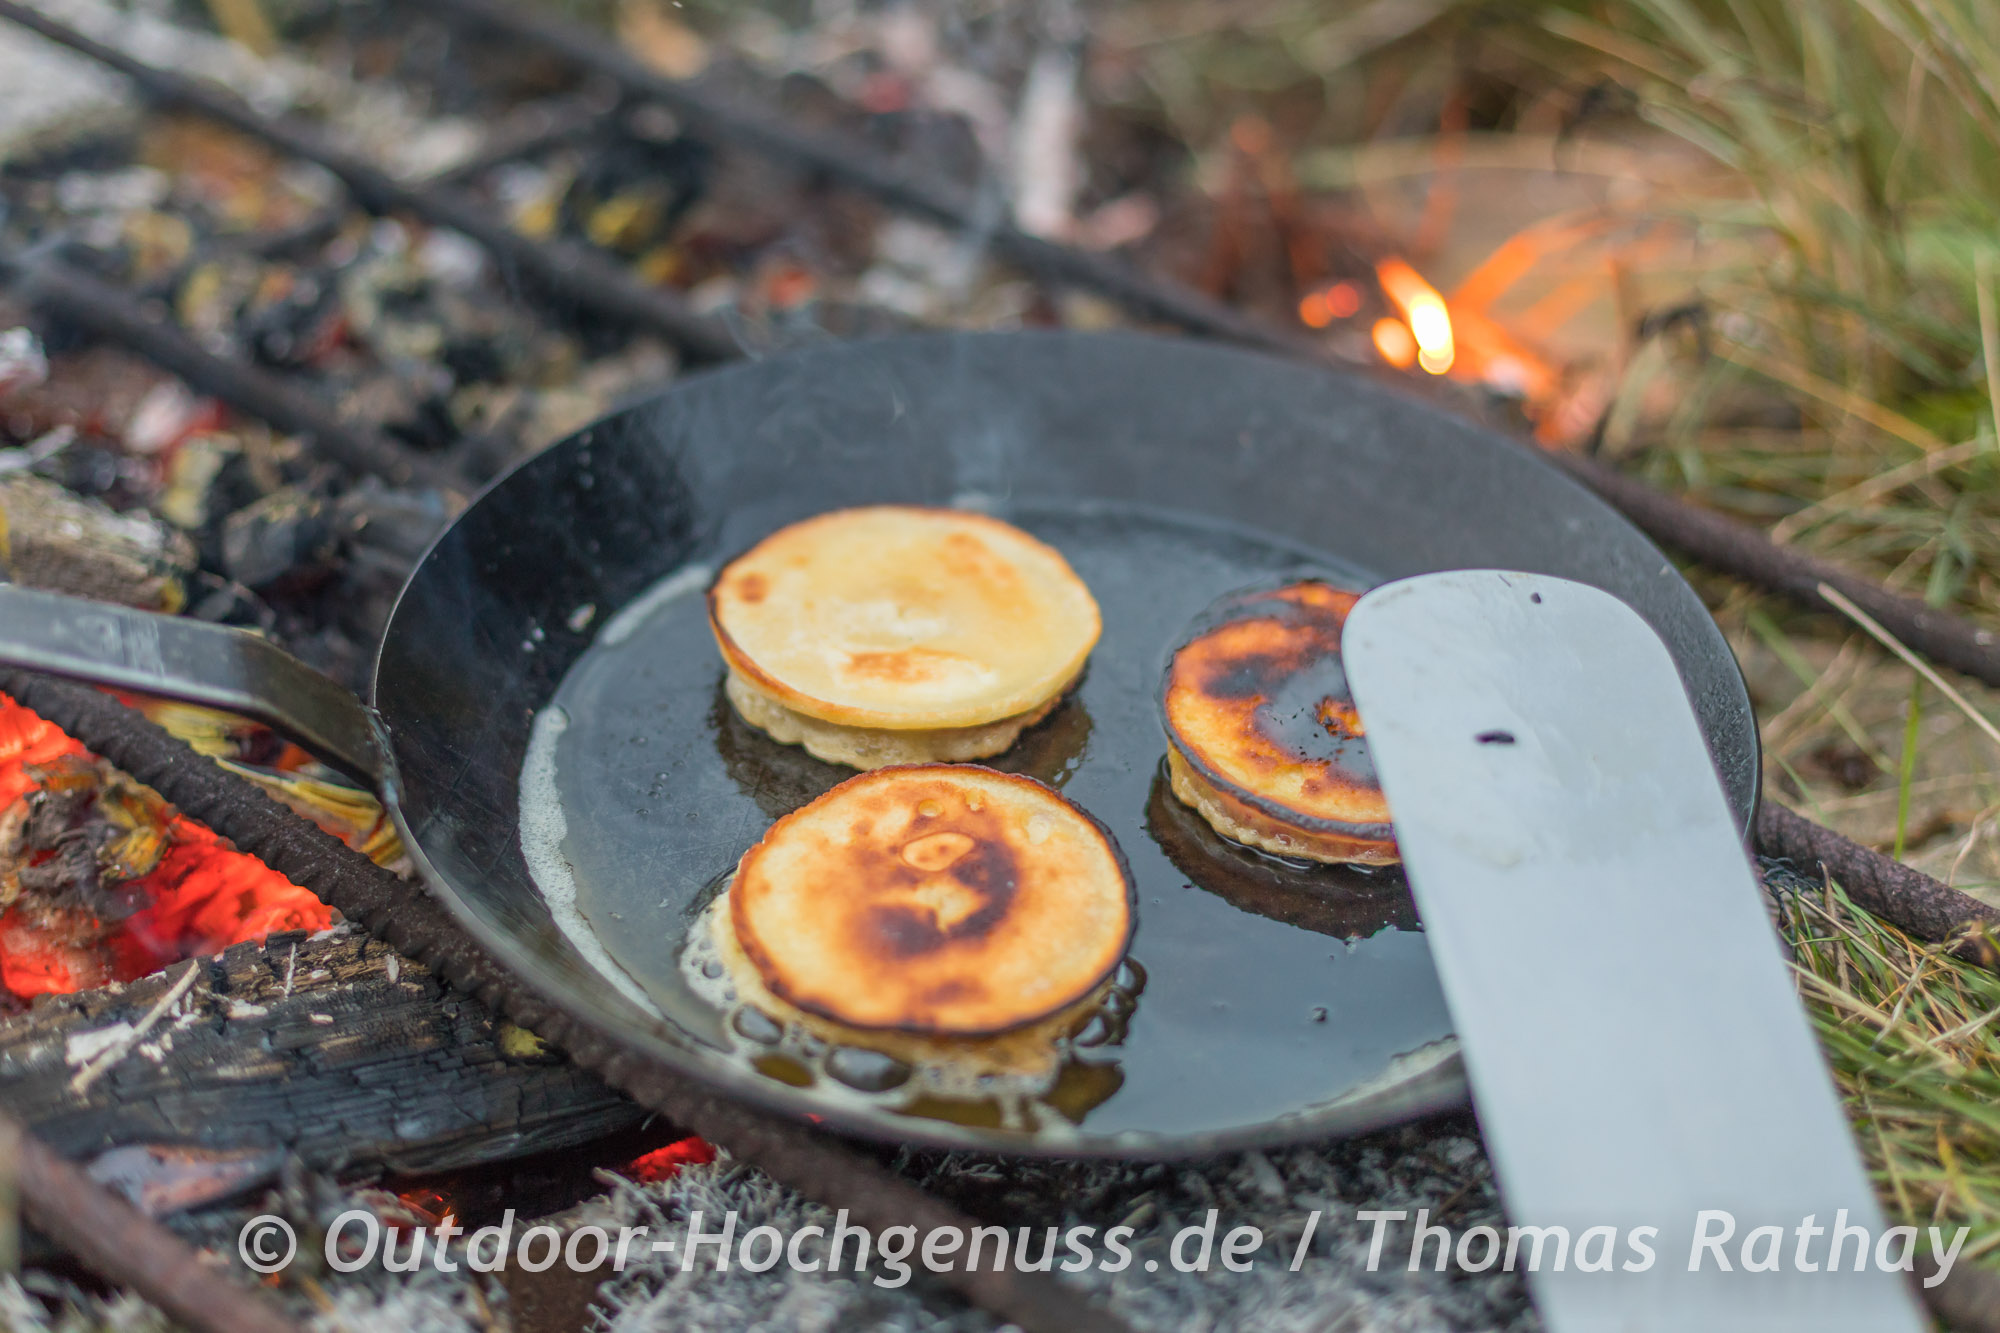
(1989, 333)
(1877, 486)
(1912, 1039)
(1835, 598)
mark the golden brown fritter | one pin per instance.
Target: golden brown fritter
(936, 898)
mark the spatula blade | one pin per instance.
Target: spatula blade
(1636, 1047)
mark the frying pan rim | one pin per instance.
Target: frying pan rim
(1437, 1088)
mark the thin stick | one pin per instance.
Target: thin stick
(1732, 546)
(123, 1245)
(1899, 894)
(1917, 664)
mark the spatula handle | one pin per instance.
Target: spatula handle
(195, 662)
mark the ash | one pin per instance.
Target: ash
(1439, 1166)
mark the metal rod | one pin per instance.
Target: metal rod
(1905, 897)
(709, 114)
(1724, 544)
(532, 130)
(570, 272)
(118, 1242)
(414, 923)
(114, 314)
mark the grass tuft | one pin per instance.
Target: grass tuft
(1913, 1037)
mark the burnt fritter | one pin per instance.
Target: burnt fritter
(895, 634)
(1264, 740)
(941, 899)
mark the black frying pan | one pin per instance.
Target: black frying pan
(1272, 1002)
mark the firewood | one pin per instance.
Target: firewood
(330, 1047)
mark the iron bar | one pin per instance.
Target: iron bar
(532, 130)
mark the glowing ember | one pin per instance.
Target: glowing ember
(1340, 301)
(182, 891)
(430, 1205)
(1395, 342)
(26, 739)
(790, 285)
(1424, 310)
(663, 1163)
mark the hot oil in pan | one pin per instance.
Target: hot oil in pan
(1270, 988)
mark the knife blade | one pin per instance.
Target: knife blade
(1637, 1051)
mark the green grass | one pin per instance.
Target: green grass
(1914, 1040)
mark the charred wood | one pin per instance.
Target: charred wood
(1730, 546)
(572, 273)
(1927, 908)
(330, 1048)
(119, 1243)
(110, 313)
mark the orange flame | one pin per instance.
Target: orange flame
(199, 898)
(1424, 311)
(430, 1204)
(1395, 342)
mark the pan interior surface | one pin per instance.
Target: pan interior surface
(1241, 1019)
(1168, 472)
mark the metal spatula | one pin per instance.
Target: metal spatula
(1637, 1050)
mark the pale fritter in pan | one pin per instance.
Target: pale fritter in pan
(896, 634)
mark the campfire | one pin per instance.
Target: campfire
(103, 881)
(228, 394)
